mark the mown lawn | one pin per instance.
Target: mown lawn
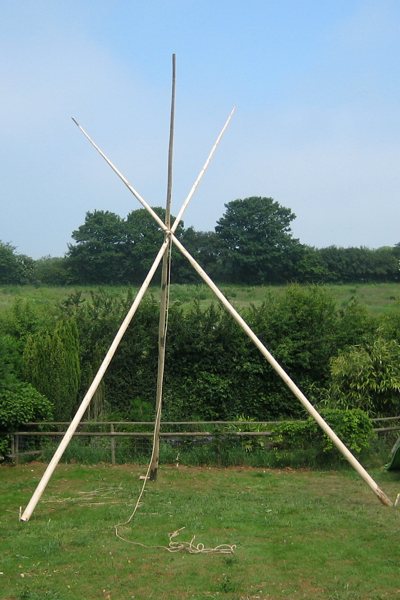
(299, 534)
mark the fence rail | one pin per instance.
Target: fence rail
(176, 435)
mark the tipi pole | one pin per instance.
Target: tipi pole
(136, 193)
(91, 391)
(164, 301)
(203, 170)
(287, 380)
(284, 376)
(122, 178)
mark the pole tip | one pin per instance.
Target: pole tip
(75, 121)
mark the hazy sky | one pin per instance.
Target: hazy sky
(316, 84)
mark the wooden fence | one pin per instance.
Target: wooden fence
(110, 430)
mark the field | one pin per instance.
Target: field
(378, 298)
(299, 534)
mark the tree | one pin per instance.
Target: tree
(113, 250)
(14, 268)
(256, 244)
(143, 240)
(50, 270)
(310, 267)
(98, 256)
(359, 264)
(204, 247)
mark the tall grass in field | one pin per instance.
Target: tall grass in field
(378, 298)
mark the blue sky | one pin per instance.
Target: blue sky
(316, 85)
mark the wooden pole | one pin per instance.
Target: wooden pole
(165, 281)
(123, 178)
(85, 402)
(91, 391)
(287, 380)
(136, 193)
(203, 170)
(284, 376)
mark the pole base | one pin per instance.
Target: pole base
(153, 474)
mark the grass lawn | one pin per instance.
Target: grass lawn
(299, 534)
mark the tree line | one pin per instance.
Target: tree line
(252, 244)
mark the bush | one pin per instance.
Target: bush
(20, 403)
(249, 444)
(353, 427)
(367, 377)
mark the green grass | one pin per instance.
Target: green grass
(299, 534)
(378, 298)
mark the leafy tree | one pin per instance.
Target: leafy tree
(25, 318)
(386, 264)
(144, 238)
(359, 264)
(354, 427)
(204, 247)
(133, 371)
(50, 270)
(203, 350)
(14, 268)
(310, 267)
(20, 402)
(113, 250)
(97, 320)
(98, 256)
(256, 243)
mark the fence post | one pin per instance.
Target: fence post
(112, 444)
(13, 447)
(16, 448)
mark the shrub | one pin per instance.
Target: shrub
(353, 427)
(51, 364)
(250, 443)
(367, 377)
(20, 403)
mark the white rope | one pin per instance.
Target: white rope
(180, 546)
